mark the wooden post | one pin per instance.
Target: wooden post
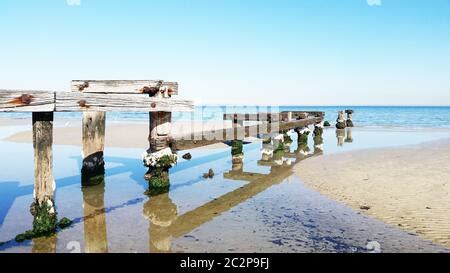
(159, 139)
(160, 127)
(349, 121)
(93, 170)
(340, 121)
(289, 116)
(44, 184)
(43, 207)
(237, 154)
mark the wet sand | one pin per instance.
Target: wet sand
(407, 187)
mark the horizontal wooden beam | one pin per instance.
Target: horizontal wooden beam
(273, 116)
(253, 117)
(81, 102)
(246, 131)
(300, 114)
(122, 86)
(26, 101)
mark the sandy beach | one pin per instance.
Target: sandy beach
(118, 134)
(407, 187)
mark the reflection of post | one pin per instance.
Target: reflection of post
(302, 134)
(340, 135)
(161, 213)
(318, 144)
(45, 244)
(267, 148)
(349, 137)
(93, 170)
(95, 238)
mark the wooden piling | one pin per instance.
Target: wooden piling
(93, 170)
(160, 128)
(340, 121)
(349, 121)
(44, 184)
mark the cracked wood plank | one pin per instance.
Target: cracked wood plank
(82, 102)
(121, 86)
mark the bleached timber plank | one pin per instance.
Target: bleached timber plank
(120, 86)
(27, 101)
(82, 102)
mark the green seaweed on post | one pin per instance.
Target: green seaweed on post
(287, 139)
(155, 191)
(237, 147)
(318, 131)
(64, 223)
(303, 138)
(45, 219)
(158, 180)
(278, 154)
(318, 140)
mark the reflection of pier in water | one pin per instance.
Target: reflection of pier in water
(165, 225)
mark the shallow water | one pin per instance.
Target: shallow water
(261, 207)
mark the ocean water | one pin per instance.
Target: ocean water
(365, 116)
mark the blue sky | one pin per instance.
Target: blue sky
(285, 52)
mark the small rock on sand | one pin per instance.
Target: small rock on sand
(187, 156)
(365, 207)
(209, 174)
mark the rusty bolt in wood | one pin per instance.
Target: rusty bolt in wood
(153, 105)
(26, 99)
(152, 91)
(83, 86)
(82, 103)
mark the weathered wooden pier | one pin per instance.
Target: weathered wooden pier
(95, 98)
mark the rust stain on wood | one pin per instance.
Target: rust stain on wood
(83, 103)
(25, 99)
(83, 86)
(153, 105)
(152, 91)
(171, 92)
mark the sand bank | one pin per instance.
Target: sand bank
(407, 187)
(118, 134)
